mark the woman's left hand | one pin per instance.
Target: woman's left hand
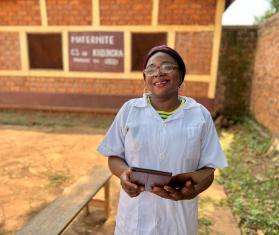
(186, 193)
(190, 185)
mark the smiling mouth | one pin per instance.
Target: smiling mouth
(161, 83)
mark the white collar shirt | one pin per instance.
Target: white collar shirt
(184, 142)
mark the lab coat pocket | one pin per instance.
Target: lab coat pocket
(127, 214)
(135, 141)
(192, 147)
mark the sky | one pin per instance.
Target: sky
(243, 12)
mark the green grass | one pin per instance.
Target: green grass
(204, 226)
(252, 178)
(57, 179)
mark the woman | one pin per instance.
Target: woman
(162, 131)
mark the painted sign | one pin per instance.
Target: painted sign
(96, 51)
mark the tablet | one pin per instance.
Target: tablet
(149, 178)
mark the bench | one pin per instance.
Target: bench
(58, 215)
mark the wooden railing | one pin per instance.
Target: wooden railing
(59, 214)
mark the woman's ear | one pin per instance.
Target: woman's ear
(180, 80)
(145, 89)
(181, 88)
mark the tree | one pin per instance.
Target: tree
(273, 10)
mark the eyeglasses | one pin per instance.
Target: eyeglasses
(165, 68)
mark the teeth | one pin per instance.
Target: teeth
(160, 83)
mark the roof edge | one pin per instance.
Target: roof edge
(228, 3)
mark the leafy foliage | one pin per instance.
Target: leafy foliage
(274, 9)
(252, 178)
(204, 226)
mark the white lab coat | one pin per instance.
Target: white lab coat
(185, 142)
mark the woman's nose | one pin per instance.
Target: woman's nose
(158, 72)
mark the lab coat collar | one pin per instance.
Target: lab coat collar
(143, 102)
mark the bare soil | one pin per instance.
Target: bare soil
(37, 163)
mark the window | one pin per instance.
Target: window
(45, 51)
(141, 44)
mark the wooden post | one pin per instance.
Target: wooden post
(216, 46)
(107, 198)
(87, 211)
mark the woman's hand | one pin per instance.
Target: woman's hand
(185, 193)
(201, 178)
(119, 167)
(186, 185)
(133, 190)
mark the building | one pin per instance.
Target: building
(86, 55)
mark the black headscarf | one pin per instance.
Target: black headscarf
(174, 54)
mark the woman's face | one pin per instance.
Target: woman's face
(162, 85)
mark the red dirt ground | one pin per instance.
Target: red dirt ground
(37, 163)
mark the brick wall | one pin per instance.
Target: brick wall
(90, 86)
(125, 12)
(195, 47)
(265, 84)
(196, 50)
(248, 76)
(9, 51)
(190, 12)
(79, 93)
(235, 72)
(194, 89)
(69, 12)
(19, 12)
(72, 85)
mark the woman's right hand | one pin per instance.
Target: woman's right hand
(133, 190)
